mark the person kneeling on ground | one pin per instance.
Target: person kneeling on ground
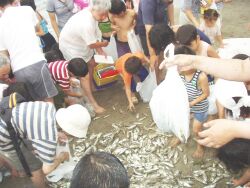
(131, 68)
(40, 136)
(99, 170)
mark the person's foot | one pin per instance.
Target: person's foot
(174, 142)
(199, 152)
(98, 109)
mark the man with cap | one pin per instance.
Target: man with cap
(35, 122)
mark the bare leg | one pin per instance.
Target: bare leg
(199, 152)
(221, 110)
(245, 178)
(91, 66)
(38, 179)
(174, 142)
(85, 84)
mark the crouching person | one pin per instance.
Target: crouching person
(99, 170)
(35, 127)
(132, 70)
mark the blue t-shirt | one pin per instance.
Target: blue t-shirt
(151, 12)
(203, 36)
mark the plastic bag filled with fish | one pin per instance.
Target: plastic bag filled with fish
(147, 87)
(170, 107)
(134, 42)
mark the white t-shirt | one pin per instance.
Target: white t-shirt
(78, 33)
(18, 36)
(211, 32)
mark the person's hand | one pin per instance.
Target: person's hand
(219, 132)
(62, 137)
(105, 43)
(101, 52)
(63, 156)
(184, 62)
(131, 107)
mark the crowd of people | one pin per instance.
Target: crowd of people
(33, 62)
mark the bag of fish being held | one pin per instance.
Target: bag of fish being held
(170, 107)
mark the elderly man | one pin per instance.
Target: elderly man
(81, 36)
(151, 13)
(18, 39)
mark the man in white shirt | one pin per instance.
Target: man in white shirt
(81, 36)
(18, 39)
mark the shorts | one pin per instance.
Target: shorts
(122, 48)
(201, 117)
(12, 158)
(143, 73)
(38, 79)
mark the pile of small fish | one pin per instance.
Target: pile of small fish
(150, 162)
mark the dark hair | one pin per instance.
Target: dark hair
(3, 3)
(30, 3)
(18, 87)
(53, 55)
(211, 14)
(186, 34)
(240, 56)
(99, 170)
(235, 154)
(182, 49)
(244, 111)
(161, 35)
(133, 65)
(78, 67)
(117, 7)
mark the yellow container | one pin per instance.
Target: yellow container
(103, 81)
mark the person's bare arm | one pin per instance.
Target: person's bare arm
(152, 54)
(203, 82)
(52, 17)
(98, 44)
(70, 93)
(47, 168)
(212, 53)
(131, 106)
(170, 11)
(219, 40)
(191, 17)
(229, 69)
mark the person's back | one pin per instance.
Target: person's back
(18, 37)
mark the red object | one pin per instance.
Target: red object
(109, 73)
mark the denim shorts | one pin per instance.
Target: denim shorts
(201, 117)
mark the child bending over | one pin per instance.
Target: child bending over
(132, 70)
(197, 86)
(211, 27)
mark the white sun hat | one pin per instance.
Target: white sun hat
(74, 120)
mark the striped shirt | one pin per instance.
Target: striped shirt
(194, 92)
(60, 73)
(34, 121)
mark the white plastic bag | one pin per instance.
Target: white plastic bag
(147, 87)
(111, 49)
(212, 109)
(170, 107)
(134, 42)
(234, 46)
(65, 169)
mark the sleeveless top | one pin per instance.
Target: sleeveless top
(194, 92)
